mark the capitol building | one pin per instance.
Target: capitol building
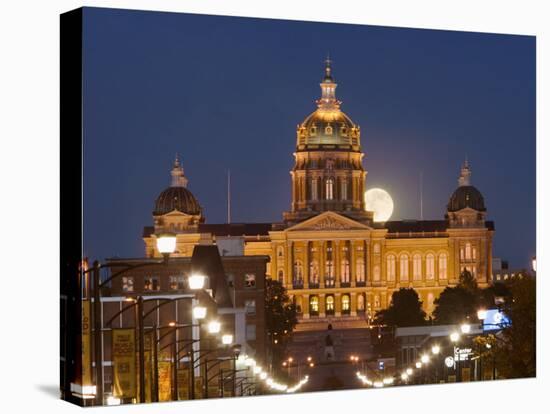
(337, 263)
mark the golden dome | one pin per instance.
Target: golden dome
(328, 127)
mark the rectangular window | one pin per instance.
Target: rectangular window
(177, 282)
(151, 283)
(250, 306)
(127, 284)
(250, 280)
(251, 332)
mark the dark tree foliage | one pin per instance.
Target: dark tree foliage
(516, 347)
(460, 304)
(280, 318)
(455, 305)
(405, 310)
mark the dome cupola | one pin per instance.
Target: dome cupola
(328, 127)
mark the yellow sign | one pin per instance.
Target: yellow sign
(124, 361)
(183, 384)
(86, 344)
(165, 381)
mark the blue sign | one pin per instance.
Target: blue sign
(495, 320)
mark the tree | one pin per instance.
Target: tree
(405, 310)
(516, 350)
(280, 318)
(455, 305)
(467, 281)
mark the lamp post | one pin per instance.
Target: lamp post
(166, 244)
(435, 352)
(455, 337)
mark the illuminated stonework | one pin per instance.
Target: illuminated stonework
(337, 264)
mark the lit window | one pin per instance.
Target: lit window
(127, 284)
(329, 272)
(417, 267)
(151, 283)
(376, 301)
(468, 251)
(329, 304)
(298, 271)
(360, 270)
(430, 266)
(250, 306)
(376, 248)
(329, 188)
(328, 130)
(474, 253)
(281, 276)
(390, 268)
(177, 282)
(344, 189)
(345, 271)
(314, 272)
(361, 302)
(313, 305)
(404, 267)
(249, 280)
(442, 266)
(314, 195)
(345, 304)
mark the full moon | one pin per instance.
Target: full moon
(380, 202)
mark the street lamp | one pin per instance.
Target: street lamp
(418, 365)
(425, 359)
(199, 312)
(227, 339)
(409, 371)
(481, 314)
(196, 282)
(214, 327)
(166, 244)
(455, 336)
(465, 328)
(435, 349)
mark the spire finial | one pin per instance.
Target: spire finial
(328, 68)
(178, 176)
(465, 174)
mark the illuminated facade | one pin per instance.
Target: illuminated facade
(336, 262)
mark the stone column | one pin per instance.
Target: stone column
(321, 305)
(305, 306)
(352, 260)
(288, 260)
(353, 300)
(337, 304)
(306, 265)
(336, 257)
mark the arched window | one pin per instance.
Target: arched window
(461, 253)
(314, 195)
(314, 305)
(328, 130)
(345, 271)
(430, 266)
(468, 251)
(361, 302)
(298, 271)
(390, 267)
(346, 306)
(280, 251)
(442, 266)
(314, 272)
(344, 191)
(376, 301)
(417, 267)
(329, 301)
(329, 189)
(281, 276)
(474, 253)
(360, 270)
(376, 273)
(404, 267)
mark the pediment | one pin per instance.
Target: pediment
(328, 221)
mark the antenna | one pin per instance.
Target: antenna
(421, 196)
(228, 196)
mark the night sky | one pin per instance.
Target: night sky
(227, 93)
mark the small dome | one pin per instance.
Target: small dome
(179, 199)
(466, 196)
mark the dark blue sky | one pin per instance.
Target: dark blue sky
(228, 92)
